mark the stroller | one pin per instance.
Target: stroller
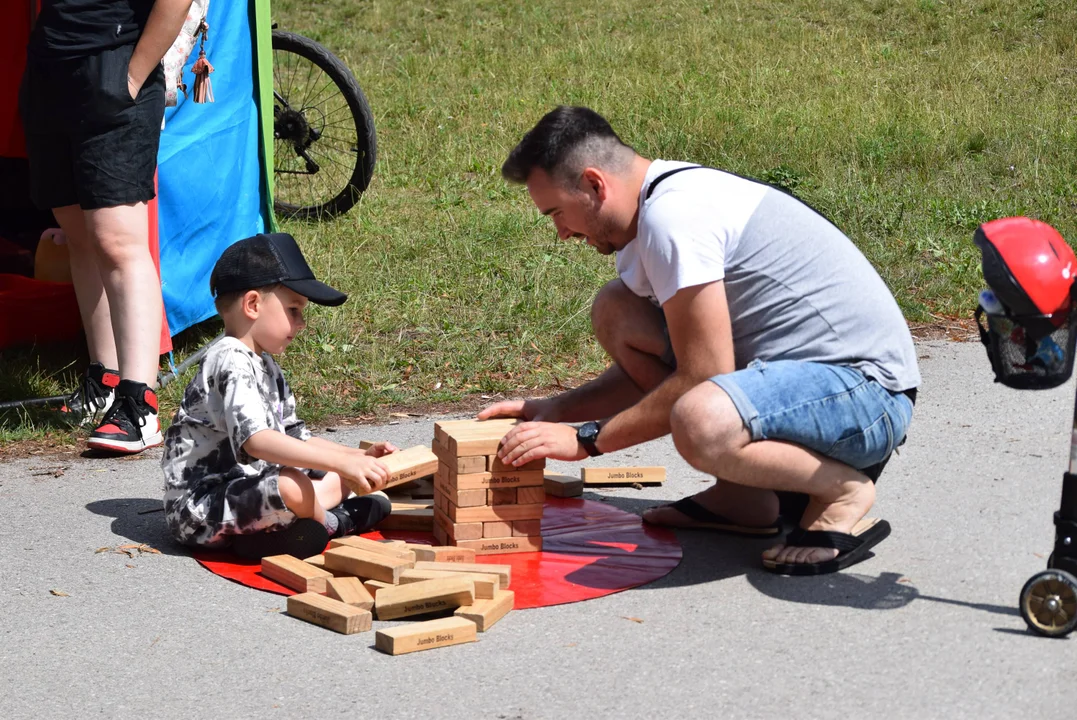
(1028, 322)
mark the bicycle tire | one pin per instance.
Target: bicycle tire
(366, 140)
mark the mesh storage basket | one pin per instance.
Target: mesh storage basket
(1028, 359)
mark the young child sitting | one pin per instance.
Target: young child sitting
(241, 469)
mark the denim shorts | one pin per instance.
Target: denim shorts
(834, 410)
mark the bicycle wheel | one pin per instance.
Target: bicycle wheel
(323, 131)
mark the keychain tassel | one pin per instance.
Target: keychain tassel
(203, 89)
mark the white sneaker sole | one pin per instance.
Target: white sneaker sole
(128, 447)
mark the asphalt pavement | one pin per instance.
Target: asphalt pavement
(928, 628)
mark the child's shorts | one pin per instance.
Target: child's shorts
(236, 507)
(88, 142)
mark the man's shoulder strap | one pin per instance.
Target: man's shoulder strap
(667, 173)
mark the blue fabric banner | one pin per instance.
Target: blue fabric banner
(211, 190)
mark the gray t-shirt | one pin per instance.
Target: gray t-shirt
(797, 287)
(235, 394)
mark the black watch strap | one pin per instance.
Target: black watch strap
(587, 436)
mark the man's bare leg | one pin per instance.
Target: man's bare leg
(632, 331)
(90, 291)
(710, 434)
(119, 236)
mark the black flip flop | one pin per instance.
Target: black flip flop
(302, 539)
(852, 548)
(713, 521)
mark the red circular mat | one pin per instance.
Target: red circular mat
(590, 549)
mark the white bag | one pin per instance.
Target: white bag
(177, 55)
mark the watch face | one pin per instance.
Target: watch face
(588, 432)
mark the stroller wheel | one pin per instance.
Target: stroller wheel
(1049, 603)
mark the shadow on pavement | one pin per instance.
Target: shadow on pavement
(140, 520)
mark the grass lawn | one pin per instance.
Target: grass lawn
(907, 122)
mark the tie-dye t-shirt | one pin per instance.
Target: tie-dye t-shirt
(235, 394)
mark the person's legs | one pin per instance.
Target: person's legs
(768, 427)
(120, 242)
(632, 330)
(318, 499)
(300, 494)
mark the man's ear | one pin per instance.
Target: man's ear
(251, 304)
(594, 182)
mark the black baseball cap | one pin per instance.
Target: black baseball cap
(269, 259)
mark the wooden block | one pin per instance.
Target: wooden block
(349, 591)
(410, 504)
(484, 613)
(442, 553)
(446, 428)
(293, 573)
(407, 465)
(503, 572)
(563, 485)
(624, 476)
(422, 489)
(421, 520)
(486, 584)
(373, 586)
(526, 528)
(424, 597)
(428, 635)
(494, 513)
(329, 613)
(394, 549)
(457, 531)
(494, 464)
(366, 444)
(467, 498)
(463, 465)
(497, 529)
(366, 564)
(501, 546)
(440, 536)
(500, 496)
(531, 495)
(317, 561)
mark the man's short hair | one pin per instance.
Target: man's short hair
(565, 142)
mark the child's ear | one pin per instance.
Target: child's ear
(251, 304)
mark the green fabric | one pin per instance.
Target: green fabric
(263, 83)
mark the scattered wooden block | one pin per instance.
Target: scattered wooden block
(442, 553)
(486, 584)
(422, 489)
(484, 613)
(349, 591)
(366, 444)
(497, 529)
(373, 586)
(500, 496)
(502, 546)
(293, 573)
(428, 635)
(494, 513)
(366, 564)
(563, 485)
(494, 464)
(455, 530)
(408, 503)
(624, 476)
(407, 465)
(503, 572)
(424, 597)
(329, 613)
(420, 519)
(463, 465)
(526, 528)
(531, 495)
(396, 549)
(317, 561)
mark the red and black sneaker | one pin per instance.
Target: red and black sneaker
(131, 425)
(94, 396)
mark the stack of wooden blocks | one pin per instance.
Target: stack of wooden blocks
(358, 578)
(479, 502)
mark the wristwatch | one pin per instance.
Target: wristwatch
(587, 436)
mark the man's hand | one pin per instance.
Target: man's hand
(363, 473)
(381, 449)
(537, 440)
(526, 409)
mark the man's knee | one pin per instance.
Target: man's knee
(706, 425)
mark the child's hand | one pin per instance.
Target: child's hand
(381, 448)
(363, 473)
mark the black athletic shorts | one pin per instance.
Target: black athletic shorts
(88, 142)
